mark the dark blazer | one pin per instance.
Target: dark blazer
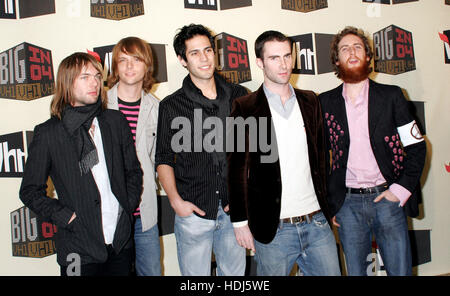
(388, 109)
(51, 153)
(255, 186)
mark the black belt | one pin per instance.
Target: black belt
(376, 189)
(300, 219)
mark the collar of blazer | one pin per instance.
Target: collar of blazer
(148, 102)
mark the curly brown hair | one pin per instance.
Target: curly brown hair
(334, 51)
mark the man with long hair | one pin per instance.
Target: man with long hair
(89, 154)
(375, 162)
(130, 82)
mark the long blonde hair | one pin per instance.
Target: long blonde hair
(68, 71)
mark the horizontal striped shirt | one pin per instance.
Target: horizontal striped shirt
(131, 112)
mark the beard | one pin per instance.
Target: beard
(354, 75)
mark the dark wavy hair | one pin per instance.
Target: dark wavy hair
(187, 32)
(334, 50)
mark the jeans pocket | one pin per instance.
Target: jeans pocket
(320, 220)
(185, 217)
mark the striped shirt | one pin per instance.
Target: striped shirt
(131, 112)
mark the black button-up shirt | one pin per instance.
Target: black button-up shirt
(188, 129)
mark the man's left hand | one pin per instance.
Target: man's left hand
(387, 195)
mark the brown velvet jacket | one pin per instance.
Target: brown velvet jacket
(255, 184)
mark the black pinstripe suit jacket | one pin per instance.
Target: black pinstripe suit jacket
(52, 154)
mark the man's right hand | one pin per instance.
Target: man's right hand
(185, 208)
(334, 222)
(72, 218)
(244, 237)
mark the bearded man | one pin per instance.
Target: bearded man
(375, 160)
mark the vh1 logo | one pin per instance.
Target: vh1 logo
(446, 38)
(159, 60)
(26, 72)
(212, 4)
(309, 50)
(304, 5)
(389, 1)
(27, 8)
(394, 51)
(31, 235)
(232, 60)
(116, 9)
(8, 9)
(13, 148)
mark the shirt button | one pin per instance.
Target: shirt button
(217, 192)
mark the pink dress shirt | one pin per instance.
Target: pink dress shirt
(362, 167)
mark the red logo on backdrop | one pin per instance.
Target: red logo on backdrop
(31, 236)
(26, 72)
(232, 58)
(447, 167)
(394, 51)
(445, 37)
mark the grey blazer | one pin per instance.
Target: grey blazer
(145, 148)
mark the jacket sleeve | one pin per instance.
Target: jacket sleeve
(133, 172)
(326, 142)
(412, 141)
(322, 149)
(33, 191)
(164, 153)
(237, 173)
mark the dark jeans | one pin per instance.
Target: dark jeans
(360, 218)
(115, 265)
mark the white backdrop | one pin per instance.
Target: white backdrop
(72, 29)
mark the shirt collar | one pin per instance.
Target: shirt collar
(363, 95)
(273, 96)
(274, 101)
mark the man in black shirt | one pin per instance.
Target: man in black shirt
(191, 158)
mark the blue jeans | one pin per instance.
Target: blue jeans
(310, 244)
(360, 218)
(197, 238)
(148, 250)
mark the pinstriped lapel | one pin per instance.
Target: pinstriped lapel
(105, 130)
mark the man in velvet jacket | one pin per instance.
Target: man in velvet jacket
(376, 159)
(277, 195)
(89, 154)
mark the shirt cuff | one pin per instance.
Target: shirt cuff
(240, 224)
(400, 192)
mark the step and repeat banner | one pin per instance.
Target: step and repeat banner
(410, 39)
